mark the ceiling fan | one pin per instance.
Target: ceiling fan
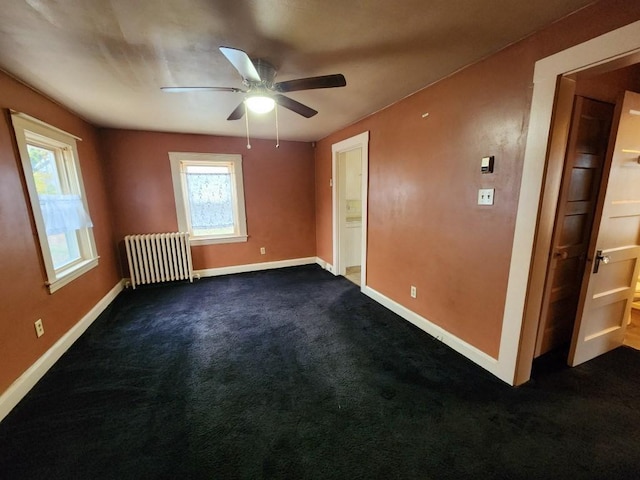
(261, 92)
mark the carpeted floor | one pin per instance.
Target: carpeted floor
(294, 374)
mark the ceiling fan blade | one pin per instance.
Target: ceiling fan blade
(325, 81)
(199, 89)
(242, 63)
(238, 113)
(294, 106)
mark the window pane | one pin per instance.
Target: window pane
(210, 198)
(64, 248)
(49, 160)
(45, 170)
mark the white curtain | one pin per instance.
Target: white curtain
(210, 200)
(63, 213)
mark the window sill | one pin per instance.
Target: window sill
(67, 276)
(195, 241)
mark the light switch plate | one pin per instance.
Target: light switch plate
(485, 196)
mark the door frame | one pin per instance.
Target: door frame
(539, 194)
(358, 141)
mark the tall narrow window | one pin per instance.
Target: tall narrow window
(209, 196)
(52, 173)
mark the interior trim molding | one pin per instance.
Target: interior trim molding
(25, 382)
(254, 267)
(472, 353)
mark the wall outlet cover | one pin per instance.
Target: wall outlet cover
(39, 328)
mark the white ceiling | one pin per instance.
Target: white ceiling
(107, 59)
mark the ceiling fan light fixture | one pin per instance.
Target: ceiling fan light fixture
(260, 104)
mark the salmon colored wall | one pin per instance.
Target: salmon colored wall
(278, 187)
(425, 228)
(24, 297)
(609, 86)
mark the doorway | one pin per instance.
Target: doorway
(579, 139)
(537, 202)
(350, 206)
(350, 167)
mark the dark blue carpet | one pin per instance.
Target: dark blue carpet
(293, 374)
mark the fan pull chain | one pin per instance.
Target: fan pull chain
(277, 130)
(246, 116)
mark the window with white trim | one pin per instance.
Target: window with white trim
(209, 195)
(52, 173)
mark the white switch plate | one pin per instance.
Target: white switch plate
(414, 292)
(485, 196)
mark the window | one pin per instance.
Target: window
(209, 197)
(52, 173)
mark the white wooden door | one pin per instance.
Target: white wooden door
(609, 285)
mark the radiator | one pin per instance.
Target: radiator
(158, 257)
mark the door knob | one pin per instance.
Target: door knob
(600, 258)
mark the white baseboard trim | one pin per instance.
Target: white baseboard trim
(254, 267)
(472, 353)
(327, 266)
(25, 382)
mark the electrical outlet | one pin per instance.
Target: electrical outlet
(39, 328)
(263, 250)
(414, 292)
